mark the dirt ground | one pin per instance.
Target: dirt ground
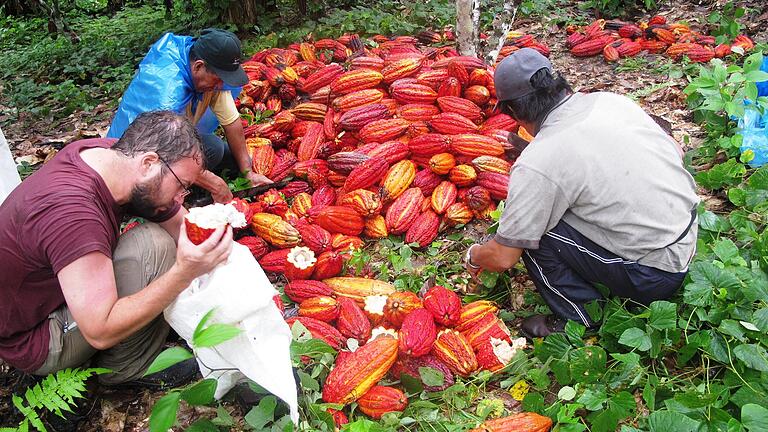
(35, 140)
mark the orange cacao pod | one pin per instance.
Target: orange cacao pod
(610, 54)
(309, 148)
(591, 47)
(443, 196)
(340, 219)
(417, 112)
(400, 69)
(469, 62)
(443, 304)
(523, 422)
(404, 210)
(301, 204)
(413, 93)
(442, 163)
(449, 87)
(432, 78)
(399, 305)
(397, 179)
(354, 80)
(383, 130)
(274, 230)
(322, 308)
(491, 164)
(472, 313)
(360, 371)
(310, 111)
(478, 94)
(417, 333)
(357, 99)
(376, 227)
(391, 151)
(358, 288)
(452, 123)
(321, 77)
(429, 145)
(315, 237)
(461, 106)
(458, 214)
(452, 348)
(363, 201)
(380, 400)
(485, 328)
(462, 175)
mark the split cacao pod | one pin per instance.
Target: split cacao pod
(452, 348)
(351, 379)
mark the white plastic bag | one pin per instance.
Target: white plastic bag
(9, 176)
(242, 296)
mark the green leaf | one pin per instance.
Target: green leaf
(566, 393)
(712, 222)
(593, 399)
(533, 402)
(760, 319)
(619, 407)
(164, 412)
(663, 315)
(202, 323)
(431, 377)
(754, 417)
(260, 415)
(636, 338)
(575, 332)
(168, 358)
(587, 364)
(666, 421)
(215, 334)
(202, 425)
(753, 356)
(201, 393)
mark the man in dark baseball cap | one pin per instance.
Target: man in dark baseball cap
(600, 197)
(221, 52)
(198, 77)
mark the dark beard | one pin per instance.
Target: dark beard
(141, 203)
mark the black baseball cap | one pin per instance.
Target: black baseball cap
(221, 51)
(513, 75)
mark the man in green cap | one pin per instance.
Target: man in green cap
(197, 77)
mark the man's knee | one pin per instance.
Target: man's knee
(142, 254)
(214, 149)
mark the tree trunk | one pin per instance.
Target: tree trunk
(56, 22)
(467, 32)
(501, 26)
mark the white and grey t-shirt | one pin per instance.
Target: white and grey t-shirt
(603, 166)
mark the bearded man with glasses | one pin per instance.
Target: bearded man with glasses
(73, 288)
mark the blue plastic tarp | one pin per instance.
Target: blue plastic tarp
(754, 127)
(163, 82)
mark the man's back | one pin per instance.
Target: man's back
(622, 175)
(55, 216)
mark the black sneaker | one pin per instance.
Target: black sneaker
(177, 375)
(539, 326)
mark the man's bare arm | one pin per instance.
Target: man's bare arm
(90, 291)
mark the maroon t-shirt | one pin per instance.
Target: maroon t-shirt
(59, 214)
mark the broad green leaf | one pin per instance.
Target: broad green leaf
(754, 417)
(619, 406)
(760, 319)
(754, 356)
(431, 377)
(168, 358)
(203, 321)
(636, 338)
(759, 178)
(663, 315)
(667, 421)
(726, 250)
(593, 399)
(215, 334)
(694, 399)
(554, 345)
(202, 425)
(201, 393)
(588, 363)
(732, 328)
(533, 402)
(164, 412)
(264, 413)
(712, 222)
(575, 332)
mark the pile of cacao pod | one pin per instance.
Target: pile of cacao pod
(396, 333)
(619, 39)
(399, 139)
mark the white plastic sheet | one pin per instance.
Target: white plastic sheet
(242, 296)
(9, 176)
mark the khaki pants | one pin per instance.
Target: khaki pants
(142, 255)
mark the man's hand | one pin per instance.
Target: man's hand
(257, 179)
(196, 260)
(220, 191)
(473, 269)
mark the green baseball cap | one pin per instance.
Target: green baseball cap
(221, 51)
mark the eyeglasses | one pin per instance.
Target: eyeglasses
(184, 188)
